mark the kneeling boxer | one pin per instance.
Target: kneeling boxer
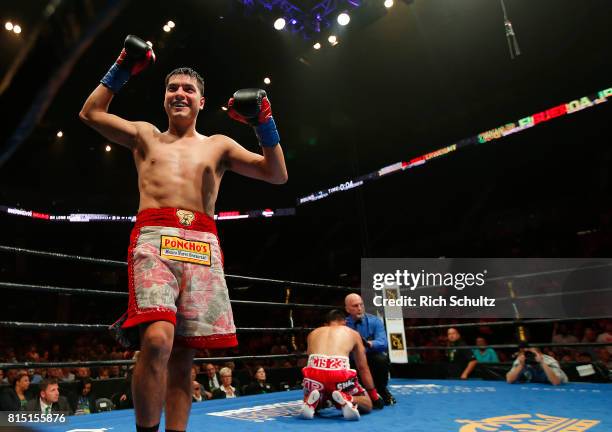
(328, 376)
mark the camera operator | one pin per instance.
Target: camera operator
(531, 365)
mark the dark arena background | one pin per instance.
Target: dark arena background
(422, 129)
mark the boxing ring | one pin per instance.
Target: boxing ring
(423, 406)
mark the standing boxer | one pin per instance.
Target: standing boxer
(178, 297)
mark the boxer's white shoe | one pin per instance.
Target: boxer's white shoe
(348, 410)
(310, 405)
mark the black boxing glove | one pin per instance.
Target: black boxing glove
(252, 107)
(135, 57)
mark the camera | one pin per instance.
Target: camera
(530, 358)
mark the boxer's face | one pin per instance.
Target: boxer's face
(183, 101)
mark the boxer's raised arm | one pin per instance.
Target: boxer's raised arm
(95, 114)
(252, 107)
(270, 167)
(135, 57)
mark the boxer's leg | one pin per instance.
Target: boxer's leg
(178, 393)
(150, 372)
(154, 292)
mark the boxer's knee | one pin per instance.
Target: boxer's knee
(156, 341)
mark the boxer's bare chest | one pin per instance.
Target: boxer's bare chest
(183, 173)
(185, 159)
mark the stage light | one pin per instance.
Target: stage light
(267, 80)
(317, 46)
(166, 28)
(279, 24)
(343, 19)
(388, 3)
(107, 148)
(170, 24)
(17, 29)
(59, 134)
(8, 25)
(332, 40)
(224, 108)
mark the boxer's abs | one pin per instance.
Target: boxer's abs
(173, 175)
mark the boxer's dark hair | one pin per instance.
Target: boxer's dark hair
(190, 72)
(335, 315)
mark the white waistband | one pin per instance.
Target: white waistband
(322, 361)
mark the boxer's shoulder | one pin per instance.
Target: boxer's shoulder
(227, 146)
(146, 129)
(352, 333)
(146, 133)
(221, 140)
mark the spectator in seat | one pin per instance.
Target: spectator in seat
(14, 398)
(259, 384)
(226, 390)
(462, 361)
(49, 399)
(84, 402)
(212, 381)
(484, 354)
(196, 395)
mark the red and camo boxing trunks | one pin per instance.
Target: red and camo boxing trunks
(328, 373)
(175, 274)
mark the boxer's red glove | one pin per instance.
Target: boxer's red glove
(252, 107)
(377, 402)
